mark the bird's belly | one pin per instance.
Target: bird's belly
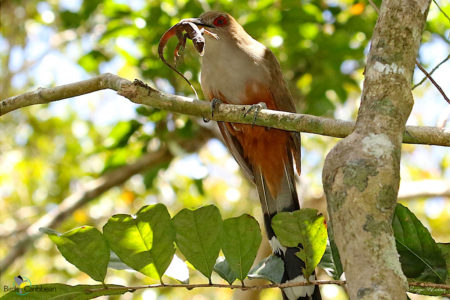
(236, 83)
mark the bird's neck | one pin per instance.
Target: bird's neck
(230, 64)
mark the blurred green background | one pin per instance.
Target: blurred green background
(49, 152)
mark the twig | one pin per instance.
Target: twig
(432, 81)
(430, 284)
(442, 11)
(427, 75)
(432, 71)
(374, 6)
(224, 286)
(253, 287)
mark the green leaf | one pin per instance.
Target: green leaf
(302, 227)
(121, 133)
(271, 268)
(198, 236)
(420, 256)
(331, 261)
(222, 267)
(84, 247)
(144, 242)
(240, 242)
(59, 291)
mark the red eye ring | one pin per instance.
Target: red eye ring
(220, 21)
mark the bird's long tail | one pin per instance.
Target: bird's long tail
(285, 200)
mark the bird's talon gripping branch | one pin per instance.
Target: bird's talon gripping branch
(257, 108)
(215, 105)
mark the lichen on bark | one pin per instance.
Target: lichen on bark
(361, 174)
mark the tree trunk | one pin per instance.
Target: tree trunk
(362, 172)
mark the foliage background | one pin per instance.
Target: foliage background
(48, 152)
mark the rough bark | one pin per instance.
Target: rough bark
(362, 173)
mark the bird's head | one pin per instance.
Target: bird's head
(222, 24)
(218, 22)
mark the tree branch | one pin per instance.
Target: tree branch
(432, 81)
(142, 94)
(431, 72)
(46, 95)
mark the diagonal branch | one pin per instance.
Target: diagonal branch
(139, 93)
(431, 72)
(432, 81)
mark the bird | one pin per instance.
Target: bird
(237, 69)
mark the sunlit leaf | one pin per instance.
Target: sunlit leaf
(84, 247)
(304, 227)
(144, 242)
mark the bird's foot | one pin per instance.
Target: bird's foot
(257, 108)
(215, 105)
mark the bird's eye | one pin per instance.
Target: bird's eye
(220, 21)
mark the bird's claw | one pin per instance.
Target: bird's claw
(257, 108)
(214, 105)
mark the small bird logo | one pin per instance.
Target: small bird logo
(21, 283)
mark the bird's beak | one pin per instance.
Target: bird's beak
(198, 22)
